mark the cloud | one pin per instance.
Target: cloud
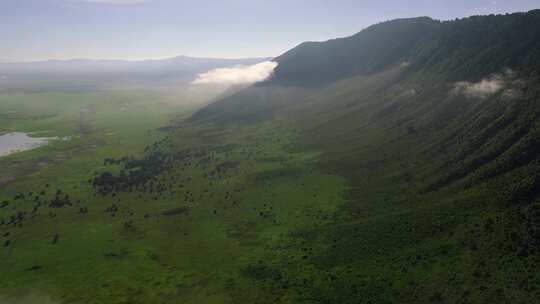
(238, 75)
(485, 87)
(482, 89)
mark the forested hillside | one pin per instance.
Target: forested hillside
(398, 165)
(436, 127)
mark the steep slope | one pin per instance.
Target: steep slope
(463, 50)
(471, 97)
(418, 76)
(471, 47)
(435, 125)
(374, 49)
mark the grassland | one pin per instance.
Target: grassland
(312, 205)
(193, 232)
(377, 183)
(142, 206)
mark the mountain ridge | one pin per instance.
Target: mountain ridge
(108, 65)
(439, 144)
(449, 50)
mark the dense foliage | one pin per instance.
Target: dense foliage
(436, 127)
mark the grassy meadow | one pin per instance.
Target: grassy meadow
(196, 231)
(142, 205)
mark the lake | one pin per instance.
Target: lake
(19, 141)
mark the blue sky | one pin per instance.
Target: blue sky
(141, 29)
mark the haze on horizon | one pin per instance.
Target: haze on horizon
(33, 30)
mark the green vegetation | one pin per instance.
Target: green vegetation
(434, 125)
(196, 208)
(407, 173)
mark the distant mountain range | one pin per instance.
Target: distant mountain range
(97, 73)
(175, 64)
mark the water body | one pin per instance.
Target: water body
(20, 141)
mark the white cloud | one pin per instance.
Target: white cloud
(482, 89)
(485, 87)
(238, 75)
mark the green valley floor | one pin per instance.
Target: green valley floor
(144, 206)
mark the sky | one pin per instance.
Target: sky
(32, 30)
